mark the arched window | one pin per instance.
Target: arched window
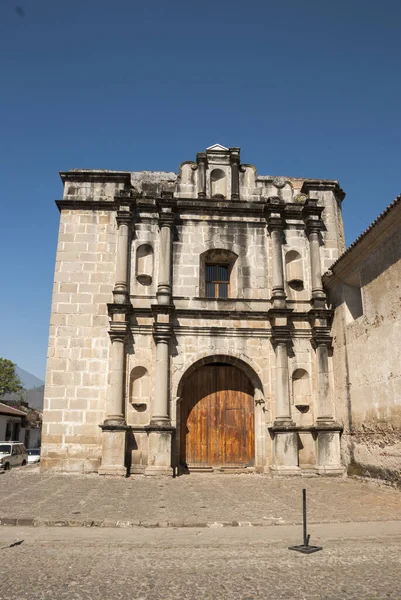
(144, 264)
(217, 274)
(218, 184)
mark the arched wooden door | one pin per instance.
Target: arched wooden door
(217, 418)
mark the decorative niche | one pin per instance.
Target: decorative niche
(294, 270)
(144, 264)
(301, 390)
(218, 184)
(139, 388)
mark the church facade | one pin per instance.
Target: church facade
(190, 330)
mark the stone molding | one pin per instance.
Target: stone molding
(113, 426)
(321, 337)
(323, 185)
(118, 331)
(123, 217)
(156, 427)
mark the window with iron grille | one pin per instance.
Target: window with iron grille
(217, 281)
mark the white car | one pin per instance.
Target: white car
(33, 455)
(12, 454)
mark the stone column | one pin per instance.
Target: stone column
(201, 158)
(283, 409)
(314, 225)
(285, 443)
(328, 459)
(160, 430)
(166, 221)
(234, 175)
(276, 227)
(160, 412)
(114, 426)
(120, 291)
(324, 404)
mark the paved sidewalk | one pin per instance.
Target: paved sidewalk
(29, 497)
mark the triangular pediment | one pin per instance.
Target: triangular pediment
(217, 147)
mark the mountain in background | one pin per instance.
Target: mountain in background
(28, 380)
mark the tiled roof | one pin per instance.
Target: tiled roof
(9, 410)
(371, 226)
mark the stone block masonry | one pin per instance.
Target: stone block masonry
(162, 276)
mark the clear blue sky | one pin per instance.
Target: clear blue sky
(305, 88)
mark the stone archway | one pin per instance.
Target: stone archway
(217, 422)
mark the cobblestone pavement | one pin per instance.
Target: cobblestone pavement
(358, 561)
(195, 499)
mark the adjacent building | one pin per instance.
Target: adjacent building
(364, 288)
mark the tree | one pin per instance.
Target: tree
(9, 380)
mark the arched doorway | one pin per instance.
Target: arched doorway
(217, 419)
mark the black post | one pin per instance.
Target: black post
(305, 548)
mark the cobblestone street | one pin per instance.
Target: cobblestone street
(358, 561)
(26, 493)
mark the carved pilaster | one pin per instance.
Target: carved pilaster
(123, 218)
(201, 159)
(235, 168)
(313, 227)
(276, 226)
(162, 333)
(166, 222)
(281, 340)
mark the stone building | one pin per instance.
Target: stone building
(190, 330)
(364, 289)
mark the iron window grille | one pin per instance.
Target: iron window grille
(217, 281)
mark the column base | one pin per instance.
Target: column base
(159, 451)
(285, 452)
(116, 470)
(113, 450)
(155, 471)
(284, 470)
(335, 471)
(328, 452)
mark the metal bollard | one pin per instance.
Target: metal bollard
(305, 548)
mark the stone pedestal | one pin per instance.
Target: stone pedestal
(328, 451)
(159, 451)
(285, 451)
(113, 451)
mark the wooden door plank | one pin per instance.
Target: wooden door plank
(217, 417)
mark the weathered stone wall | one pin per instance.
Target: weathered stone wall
(77, 366)
(237, 329)
(367, 357)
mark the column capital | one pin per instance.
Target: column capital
(118, 331)
(123, 216)
(321, 337)
(281, 334)
(162, 332)
(274, 212)
(235, 157)
(166, 207)
(312, 216)
(201, 157)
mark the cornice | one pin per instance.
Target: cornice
(96, 175)
(322, 185)
(70, 204)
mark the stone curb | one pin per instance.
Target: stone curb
(125, 524)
